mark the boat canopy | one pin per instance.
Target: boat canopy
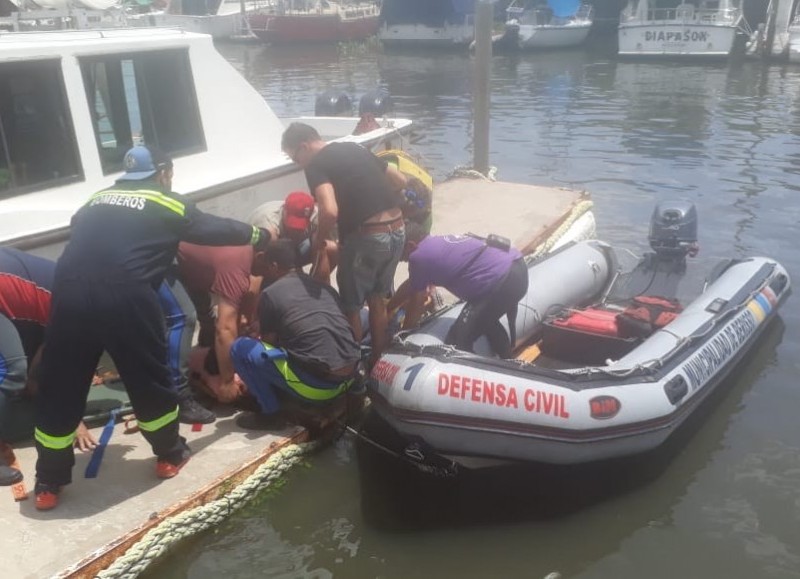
(428, 12)
(564, 8)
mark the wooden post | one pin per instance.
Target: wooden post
(483, 70)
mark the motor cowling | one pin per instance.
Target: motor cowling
(673, 229)
(333, 103)
(377, 102)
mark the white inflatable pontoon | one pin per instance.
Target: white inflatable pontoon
(593, 389)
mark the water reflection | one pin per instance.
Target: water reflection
(510, 524)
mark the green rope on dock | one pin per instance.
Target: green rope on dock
(168, 533)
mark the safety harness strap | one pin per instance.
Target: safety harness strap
(278, 357)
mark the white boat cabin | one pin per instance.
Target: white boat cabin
(73, 102)
(680, 27)
(548, 24)
(437, 23)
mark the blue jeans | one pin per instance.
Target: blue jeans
(367, 265)
(266, 371)
(181, 320)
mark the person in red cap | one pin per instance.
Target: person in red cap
(295, 218)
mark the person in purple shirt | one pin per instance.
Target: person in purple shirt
(489, 279)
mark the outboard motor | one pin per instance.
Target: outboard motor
(673, 230)
(377, 102)
(333, 103)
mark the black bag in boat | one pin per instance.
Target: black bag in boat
(646, 314)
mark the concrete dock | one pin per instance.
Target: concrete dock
(99, 519)
(526, 214)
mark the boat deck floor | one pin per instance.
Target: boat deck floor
(99, 518)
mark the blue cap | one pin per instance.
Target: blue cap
(138, 164)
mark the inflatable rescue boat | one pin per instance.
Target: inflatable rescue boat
(613, 353)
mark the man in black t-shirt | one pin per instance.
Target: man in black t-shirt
(306, 349)
(360, 193)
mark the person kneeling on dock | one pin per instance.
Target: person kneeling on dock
(25, 285)
(307, 348)
(122, 241)
(490, 277)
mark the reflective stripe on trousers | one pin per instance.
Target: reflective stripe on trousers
(278, 357)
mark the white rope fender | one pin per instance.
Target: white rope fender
(169, 532)
(469, 172)
(580, 209)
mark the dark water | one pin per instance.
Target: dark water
(724, 500)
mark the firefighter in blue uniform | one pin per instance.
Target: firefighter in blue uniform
(122, 242)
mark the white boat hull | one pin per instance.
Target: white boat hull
(794, 43)
(421, 35)
(675, 39)
(235, 198)
(220, 26)
(537, 37)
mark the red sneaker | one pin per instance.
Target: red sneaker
(166, 469)
(46, 496)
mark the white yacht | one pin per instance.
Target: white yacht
(435, 23)
(793, 41)
(72, 103)
(552, 24)
(706, 28)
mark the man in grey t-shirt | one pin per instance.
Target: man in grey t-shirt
(307, 349)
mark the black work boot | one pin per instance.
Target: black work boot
(8, 476)
(190, 411)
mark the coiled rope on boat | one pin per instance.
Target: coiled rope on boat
(168, 533)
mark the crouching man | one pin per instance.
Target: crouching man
(307, 350)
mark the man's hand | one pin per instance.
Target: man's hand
(84, 441)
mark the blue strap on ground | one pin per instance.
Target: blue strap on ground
(97, 455)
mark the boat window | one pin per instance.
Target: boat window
(145, 98)
(37, 144)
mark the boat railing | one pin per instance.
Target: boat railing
(687, 13)
(360, 10)
(543, 16)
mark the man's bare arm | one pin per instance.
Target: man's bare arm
(227, 330)
(396, 178)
